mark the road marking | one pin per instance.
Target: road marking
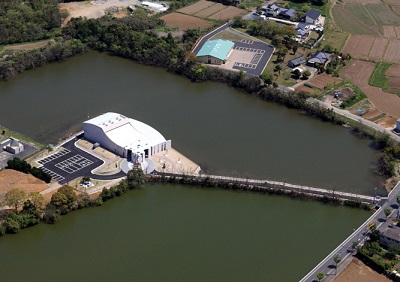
(54, 156)
(74, 164)
(54, 175)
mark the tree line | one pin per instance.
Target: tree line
(31, 209)
(23, 166)
(28, 20)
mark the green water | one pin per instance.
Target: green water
(224, 130)
(176, 233)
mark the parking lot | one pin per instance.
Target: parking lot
(69, 163)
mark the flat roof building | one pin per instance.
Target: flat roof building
(215, 51)
(125, 137)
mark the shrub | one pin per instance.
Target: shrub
(12, 226)
(51, 216)
(2, 230)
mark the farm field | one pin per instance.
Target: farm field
(392, 53)
(196, 7)
(184, 22)
(390, 31)
(382, 14)
(359, 46)
(364, 1)
(360, 12)
(359, 73)
(322, 80)
(212, 10)
(228, 14)
(348, 23)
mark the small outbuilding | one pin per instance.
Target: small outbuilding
(319, 58)
(398, 125)
(215, 51)
(14, 147)
(311, 17)
(296, 62)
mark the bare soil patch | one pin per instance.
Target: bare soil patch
(363, 1)
(196, 7)
(228, 14)
(387, 122)
(370, 114)
(378, 48)
(359, 73)
(28, 46)
(396, 8)
(184, 22)
(210, 10)
(359, 45)
(322, 80)
(305, 89)
(358, 271)
(397, 29)
(394, 82)
(388, 31)
(92, 9)
(393, 70)
(393, 51)
(12, 179)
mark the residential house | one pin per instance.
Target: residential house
(296, 62)
(319, 58)
(311, 17)
(391, 236)
(288, 14)
(303, 30)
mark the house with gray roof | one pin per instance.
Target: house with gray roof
(319, 58)
(296, 62)
(391, 236)
(288, 14)
(311, 17)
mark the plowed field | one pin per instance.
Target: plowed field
(364, 1)
(210, 10)
(393, 70)
(359, 45)
(388, 31)
(181, 21)
(359, 73)
(228, 14)
(322, 80)
(393, 51)
(196, 7)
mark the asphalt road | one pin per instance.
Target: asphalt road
(356, 118)
(345, 250)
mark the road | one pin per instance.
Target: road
(345, 249)
(356, 118)
(203, 40)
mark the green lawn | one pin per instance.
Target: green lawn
(251, 4)
(348, 23)
(378, 77)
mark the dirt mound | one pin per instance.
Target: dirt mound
(12, 179)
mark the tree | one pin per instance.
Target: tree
(136, 178)
(59, 201)
(69, 193)
(336, 259)
(387, 212)
(306, 74)
(278, 68)
(15, 198)
(320, 276)
(297, 73)
(268, 78)
(37, 200)
(354, 245)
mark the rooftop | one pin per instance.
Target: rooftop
(216, 48)
(312, 13)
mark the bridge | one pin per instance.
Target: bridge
(276, 185)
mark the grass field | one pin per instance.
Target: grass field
(360, 12)
(378, 77)
(348, 23)
(383, 15)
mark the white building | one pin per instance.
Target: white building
(14, 147)
(125, 137)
